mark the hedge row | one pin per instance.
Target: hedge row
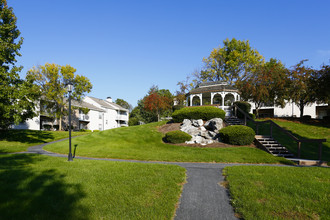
(237, 135)
(176, 137)
(200, 112)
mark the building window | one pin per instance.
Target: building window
(100, 115)
(100, 127)
(106, 122)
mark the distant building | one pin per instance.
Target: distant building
(102, 115)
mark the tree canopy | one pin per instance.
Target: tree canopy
(17, 97)
(301, 88)
(52, 80)
(124, 104)
(267, 84)
(230, 63)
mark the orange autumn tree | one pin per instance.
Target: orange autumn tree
(158, 101)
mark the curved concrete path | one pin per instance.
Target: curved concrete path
(202, 197)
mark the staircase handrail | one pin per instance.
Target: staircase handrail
(299, 141)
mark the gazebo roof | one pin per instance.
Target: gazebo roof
(213, 87)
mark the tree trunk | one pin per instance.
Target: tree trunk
(60, 124)
(301, 108)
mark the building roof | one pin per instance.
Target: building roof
(213, 87)
(106, 104)
(83, 104)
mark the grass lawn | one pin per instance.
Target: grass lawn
(144, 142)
(301, 131)
(20, 140)
(279, 192)
(40, 187)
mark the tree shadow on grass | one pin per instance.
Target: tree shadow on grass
(36, 193)
(26, 136)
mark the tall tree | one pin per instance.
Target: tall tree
(321, 84)
(230, 63)
(17, 96)
(267, 84)
(158, 101)
(124, 104)
(301, 87)
(52, 80)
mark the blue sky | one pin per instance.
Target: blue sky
(125, 47)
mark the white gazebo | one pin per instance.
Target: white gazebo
(218, 94)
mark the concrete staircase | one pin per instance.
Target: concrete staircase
(270, 145)
(232, 120)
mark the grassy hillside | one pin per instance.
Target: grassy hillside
(301, 131)
(19, 140)
(144, 142)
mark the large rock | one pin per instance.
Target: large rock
(197, 123)
(202, 134)
(190, 130)
(215, 124)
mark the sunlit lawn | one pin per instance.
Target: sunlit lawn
(20, 140)
(41, 187)
(280, 192)
(144, 142)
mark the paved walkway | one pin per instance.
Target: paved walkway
(202, 197)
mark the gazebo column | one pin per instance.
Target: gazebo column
(223, 101)
(201, 99)
(191, 99)
(212, 96)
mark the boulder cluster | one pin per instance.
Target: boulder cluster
(202, 133)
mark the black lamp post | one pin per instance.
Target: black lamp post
(70, 86)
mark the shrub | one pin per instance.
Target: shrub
(133, 121)
(253, 116)
(244, 106)
(96, 130)
(47, 127)
(307, 117)
(201, 112)
(177, 107)
(56, 127)
(176, 137)
(237, 135)
(326, 118)
(84, 130)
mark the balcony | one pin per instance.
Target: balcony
(122, 117)
(83, 117)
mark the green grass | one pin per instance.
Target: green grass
(144, 142)
(19, 140)
(279, 192)
(301, 131)
(40, 187)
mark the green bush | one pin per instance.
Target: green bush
(56, 127)
(237, 135)
(200, 112)
(47, 127)
(177, 107)
(244, 106)
(253, 116)
(96, 130)
(133, 121)
(176, 137)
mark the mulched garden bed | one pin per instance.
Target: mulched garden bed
(176, 126)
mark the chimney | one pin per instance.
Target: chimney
(109, 99)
